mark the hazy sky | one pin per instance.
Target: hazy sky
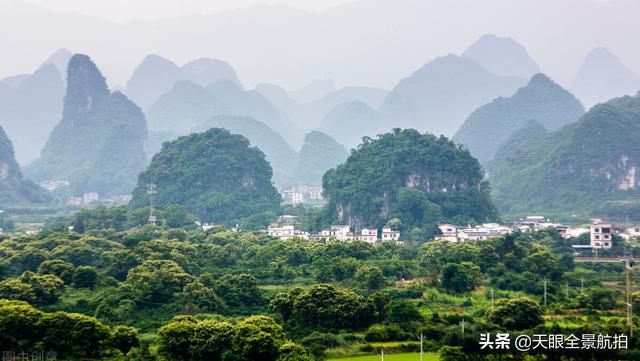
(120, 10)
(354, 42)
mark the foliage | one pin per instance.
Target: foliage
(491, 125)
(215, 175)
(460, 277)
(571, 170)
(323, 307)
(68, 334)
(371, 187)
(517, 314)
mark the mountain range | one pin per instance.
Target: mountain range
(31, 105)
(502, 56)
(439, 96)
(157, 75)
(98, 145)
(490, 125)
(576, 168)
(602, 76)
(309, 115)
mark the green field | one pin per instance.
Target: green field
(392, 357)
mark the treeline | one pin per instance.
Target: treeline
(196, 293)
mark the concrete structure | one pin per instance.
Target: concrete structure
(369, 235)
(390, 235)
(601, 236)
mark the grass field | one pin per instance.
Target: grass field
(392, 357)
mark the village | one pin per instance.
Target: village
(600, 234)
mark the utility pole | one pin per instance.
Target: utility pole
(629, 274)
(545, 292)
(151, 191)
(492, 299)
(421, 340)
(382, 355)
(462, 325)
(582, 285)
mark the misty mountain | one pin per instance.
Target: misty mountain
(388, 42)
(490, 125)
(310, 115)
(349, 122)
(60, 59)
(318, 153)
(576, 168)
(502, 56)
(30, 108)
(205, 71)
(602, 76)
(187, 105)
(314, 90)
(277, 151)
(157, 75)
(439, 96)
(14, 189)
(98, 145)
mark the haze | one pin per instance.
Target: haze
(365, 42)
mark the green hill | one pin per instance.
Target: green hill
(216, 175)
(527, 132)
(418, 179)
(490, 125)
(576, 168)
(14, 189)
(277, 151)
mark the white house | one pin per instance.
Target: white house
(286, 231)
(390, 235)
(601, 236)
(339, 232)
(449, 232)
(369, 235)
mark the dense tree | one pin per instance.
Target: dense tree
(459, 278)
(607, 131)
(156, 282)
(33, 288)
(370, 277)
(85, 277)
(238, 290)
(323, 307)
(124, 338)
(446, 183)
(517, 314)
(211, 340)
(215, 175)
